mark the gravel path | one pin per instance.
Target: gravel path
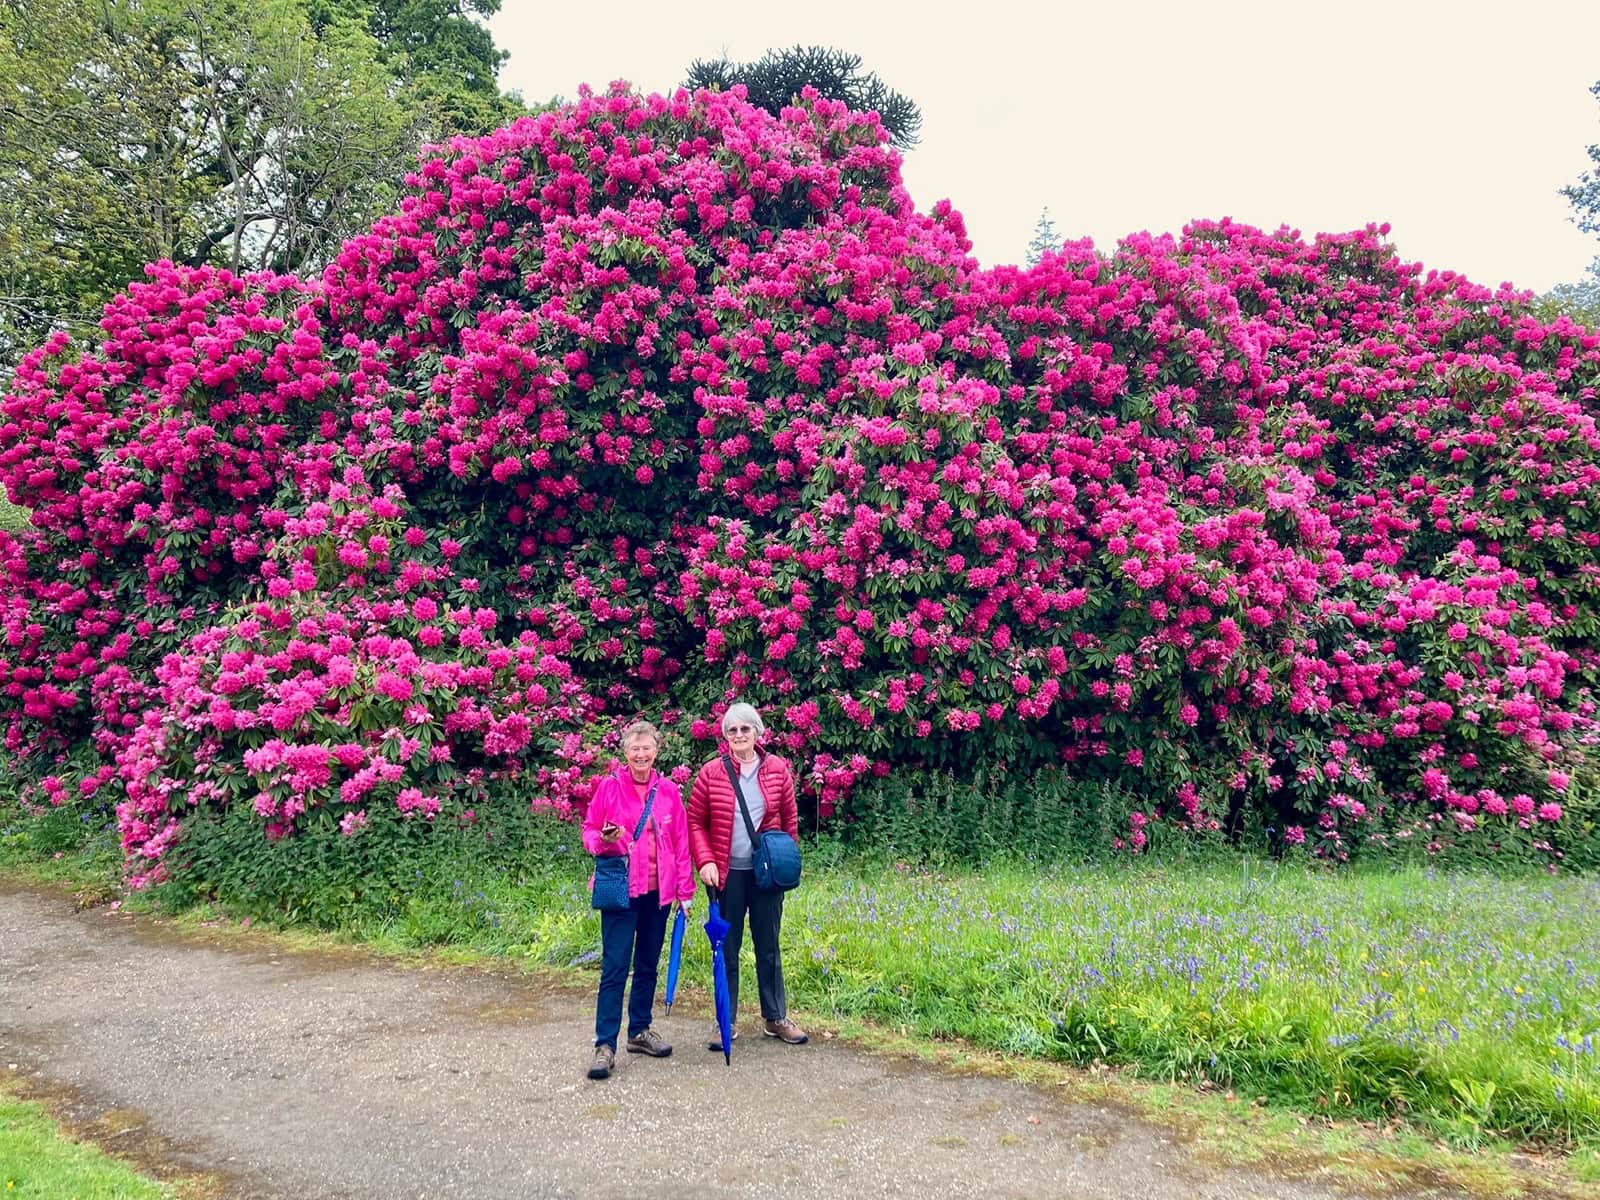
(330, 1075)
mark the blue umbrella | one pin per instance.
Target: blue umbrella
(674, 958)
(717, 930)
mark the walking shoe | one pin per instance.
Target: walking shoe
(604, 1059)
(716, 1039)
(649, 1042)
(786, 1030)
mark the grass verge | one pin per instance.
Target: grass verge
(38, 1160)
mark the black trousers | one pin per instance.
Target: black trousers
(741, 898)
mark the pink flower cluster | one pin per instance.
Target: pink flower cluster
(348, 684)
(652, 399)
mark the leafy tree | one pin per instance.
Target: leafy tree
(308, 135)
(1585, 194)
(1580, 300)
(777, 78)
(246, 133)
(441, 49)
(1045, 238)
(94, 144)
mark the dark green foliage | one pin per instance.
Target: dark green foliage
(75, 843)
(323, 878)
(961, 818)
(777, 78)
(57, 831)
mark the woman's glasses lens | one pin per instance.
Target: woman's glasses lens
(742, 729)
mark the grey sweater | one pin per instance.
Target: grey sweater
(740, 851)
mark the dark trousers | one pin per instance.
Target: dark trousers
(635, 933)
(765, 910)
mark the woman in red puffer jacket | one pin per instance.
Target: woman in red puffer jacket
(719, 843)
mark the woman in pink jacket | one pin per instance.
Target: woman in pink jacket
(660, 878)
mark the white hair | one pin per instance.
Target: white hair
(743, 714)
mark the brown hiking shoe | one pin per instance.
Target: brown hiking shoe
(787, 1031)
(649, 1042)
(604, 1059)
(715, 1041)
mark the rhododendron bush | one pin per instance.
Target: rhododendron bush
(645, 404)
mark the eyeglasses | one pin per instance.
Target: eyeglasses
(741, 730)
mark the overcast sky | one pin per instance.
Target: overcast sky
(1455, 122)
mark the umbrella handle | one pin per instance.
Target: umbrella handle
(714, 895)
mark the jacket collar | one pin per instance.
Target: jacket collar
(761, 758)
(625, 777)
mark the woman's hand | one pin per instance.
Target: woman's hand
(709, 876)
(610, 832)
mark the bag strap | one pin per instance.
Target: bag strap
(649, 803)
(733, 778)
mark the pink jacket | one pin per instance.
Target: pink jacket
(616, 801)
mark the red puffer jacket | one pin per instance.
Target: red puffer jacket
(713, 809)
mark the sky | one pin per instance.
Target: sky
(1457, 123)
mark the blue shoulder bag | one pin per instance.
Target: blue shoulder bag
(773, 854)
(611, 870)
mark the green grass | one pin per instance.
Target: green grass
(37, 1160)
(1463, 1003)
(61, 847)
(12, 517)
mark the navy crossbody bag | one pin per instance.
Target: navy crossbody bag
(773, 854)
(611, 870)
